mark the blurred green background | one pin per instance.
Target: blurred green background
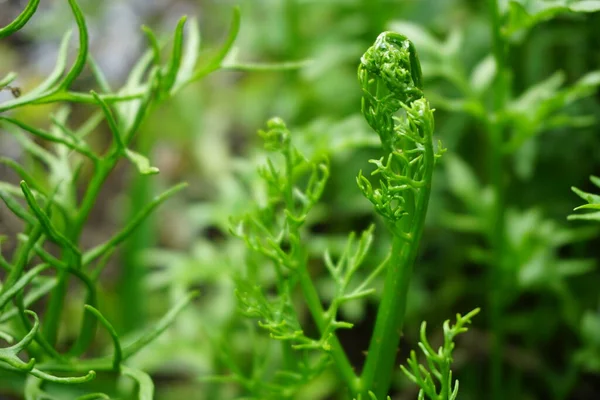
(207, 136)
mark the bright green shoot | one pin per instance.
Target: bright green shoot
(394, 106)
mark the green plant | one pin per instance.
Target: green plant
(394, 107)
(439, 362)
(519, 131)
(510, 123)
(390, 76)
(593, 203)
(588, 356)
(54, 216)
(20, 21)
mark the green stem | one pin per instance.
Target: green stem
(315, 307)
(377, 372)
(311, 296)
(379, 366)
(21, 258)
(57, 298)
(496, 234)
(130, 287)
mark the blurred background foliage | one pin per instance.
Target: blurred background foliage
(207, 137)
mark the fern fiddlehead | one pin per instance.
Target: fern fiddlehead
(394, 107)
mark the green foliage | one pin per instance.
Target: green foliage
(522, 246)
(291, 305)
(588, 356)
(524, 15)
(274, 231)
(439, 362)
(389, 74)
(55, 215)
(593, 203)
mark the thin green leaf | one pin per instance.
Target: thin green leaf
(6, 337)
(594, 216)
(43, 89)
(159, 328)
(9, 355)
(7, 80)
(145, 385)
(138, 112)
(21, 20)
(589, 197)
(168, 79)
(99, 75)
(67, 379)
(4, 264)
(190, 55)
(154, 45)
(21, 283)
(59, 68)
(112, 123)
(93, 396)
(28, 338)
(39, 338)
(86, 98)
(31, 297)
(234, 29)
(216, 61)
(141, 162)
(23, 174)
(116, 239)
(81, 59)
(81, 148)
(595, 206)
(16, 208)
(117, 357)
(45, 222)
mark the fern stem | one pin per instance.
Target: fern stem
(377, 372)
(57, 298)
(315, 307)
(390, 76)
(379, 366)
(309, 290)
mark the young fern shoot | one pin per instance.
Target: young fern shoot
(394, 106)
